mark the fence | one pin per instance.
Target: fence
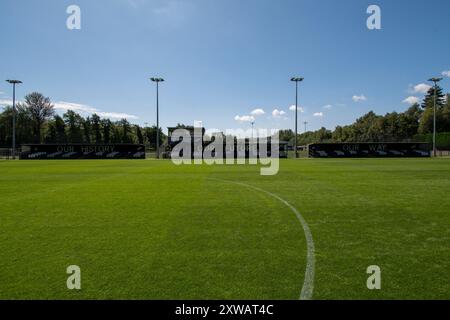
(443, 153)
(6, 154)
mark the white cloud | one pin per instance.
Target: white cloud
(65, 106)
(318, 114)
(5, 102)
(328, 106)
(278, 113)
(2, 93)
(116, 115)
(258, 112)
(300, 109)
(359, 98)
(244, 118)
(421, 88)
(446, 73)
(80, 108)
(411, 100)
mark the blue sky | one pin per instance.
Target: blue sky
(225, 58)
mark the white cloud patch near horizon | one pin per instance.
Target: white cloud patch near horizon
(244, 118)
(411, 100)
(446, 73)
(359, 98)
(318, 114)
(81, 108)
(5, 102)
(65, 106)
(116, 115)
(328, 107)
(91, 110)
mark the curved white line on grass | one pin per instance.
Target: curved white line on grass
(308, 283)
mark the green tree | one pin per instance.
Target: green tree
(6, 127)
(428, 101)
(286, 135)
(107, 125)
(24, 126)
(150, 134)
(40, 109)
(116, 135)
(368, 128)
(74, 124)
(86, 123)
(412, 120)
(60, 127)
(96, 128)
(140, 137)
(446, 114)
(56, 130)
(126, 131)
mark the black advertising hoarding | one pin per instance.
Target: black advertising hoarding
(363, 150)
(82, 151)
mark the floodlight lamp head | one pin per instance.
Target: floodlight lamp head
(14, 81)
(157, 79)
(297, 79)
(435, 80)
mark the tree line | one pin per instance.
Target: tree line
(415, 124)
(37, 122)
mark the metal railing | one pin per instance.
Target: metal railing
(443, 153)
(7, 154)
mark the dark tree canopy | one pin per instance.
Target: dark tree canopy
(428, 101)
(37, 122)
(39, 109)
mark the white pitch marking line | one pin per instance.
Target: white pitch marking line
(308, 283)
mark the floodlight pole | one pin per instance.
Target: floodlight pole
(305, 123)
(296, 80)
(14, 82)
(253, 123)
(435, 80)
(157, 80)
(157, 120)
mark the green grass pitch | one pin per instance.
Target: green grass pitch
(151, 230)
